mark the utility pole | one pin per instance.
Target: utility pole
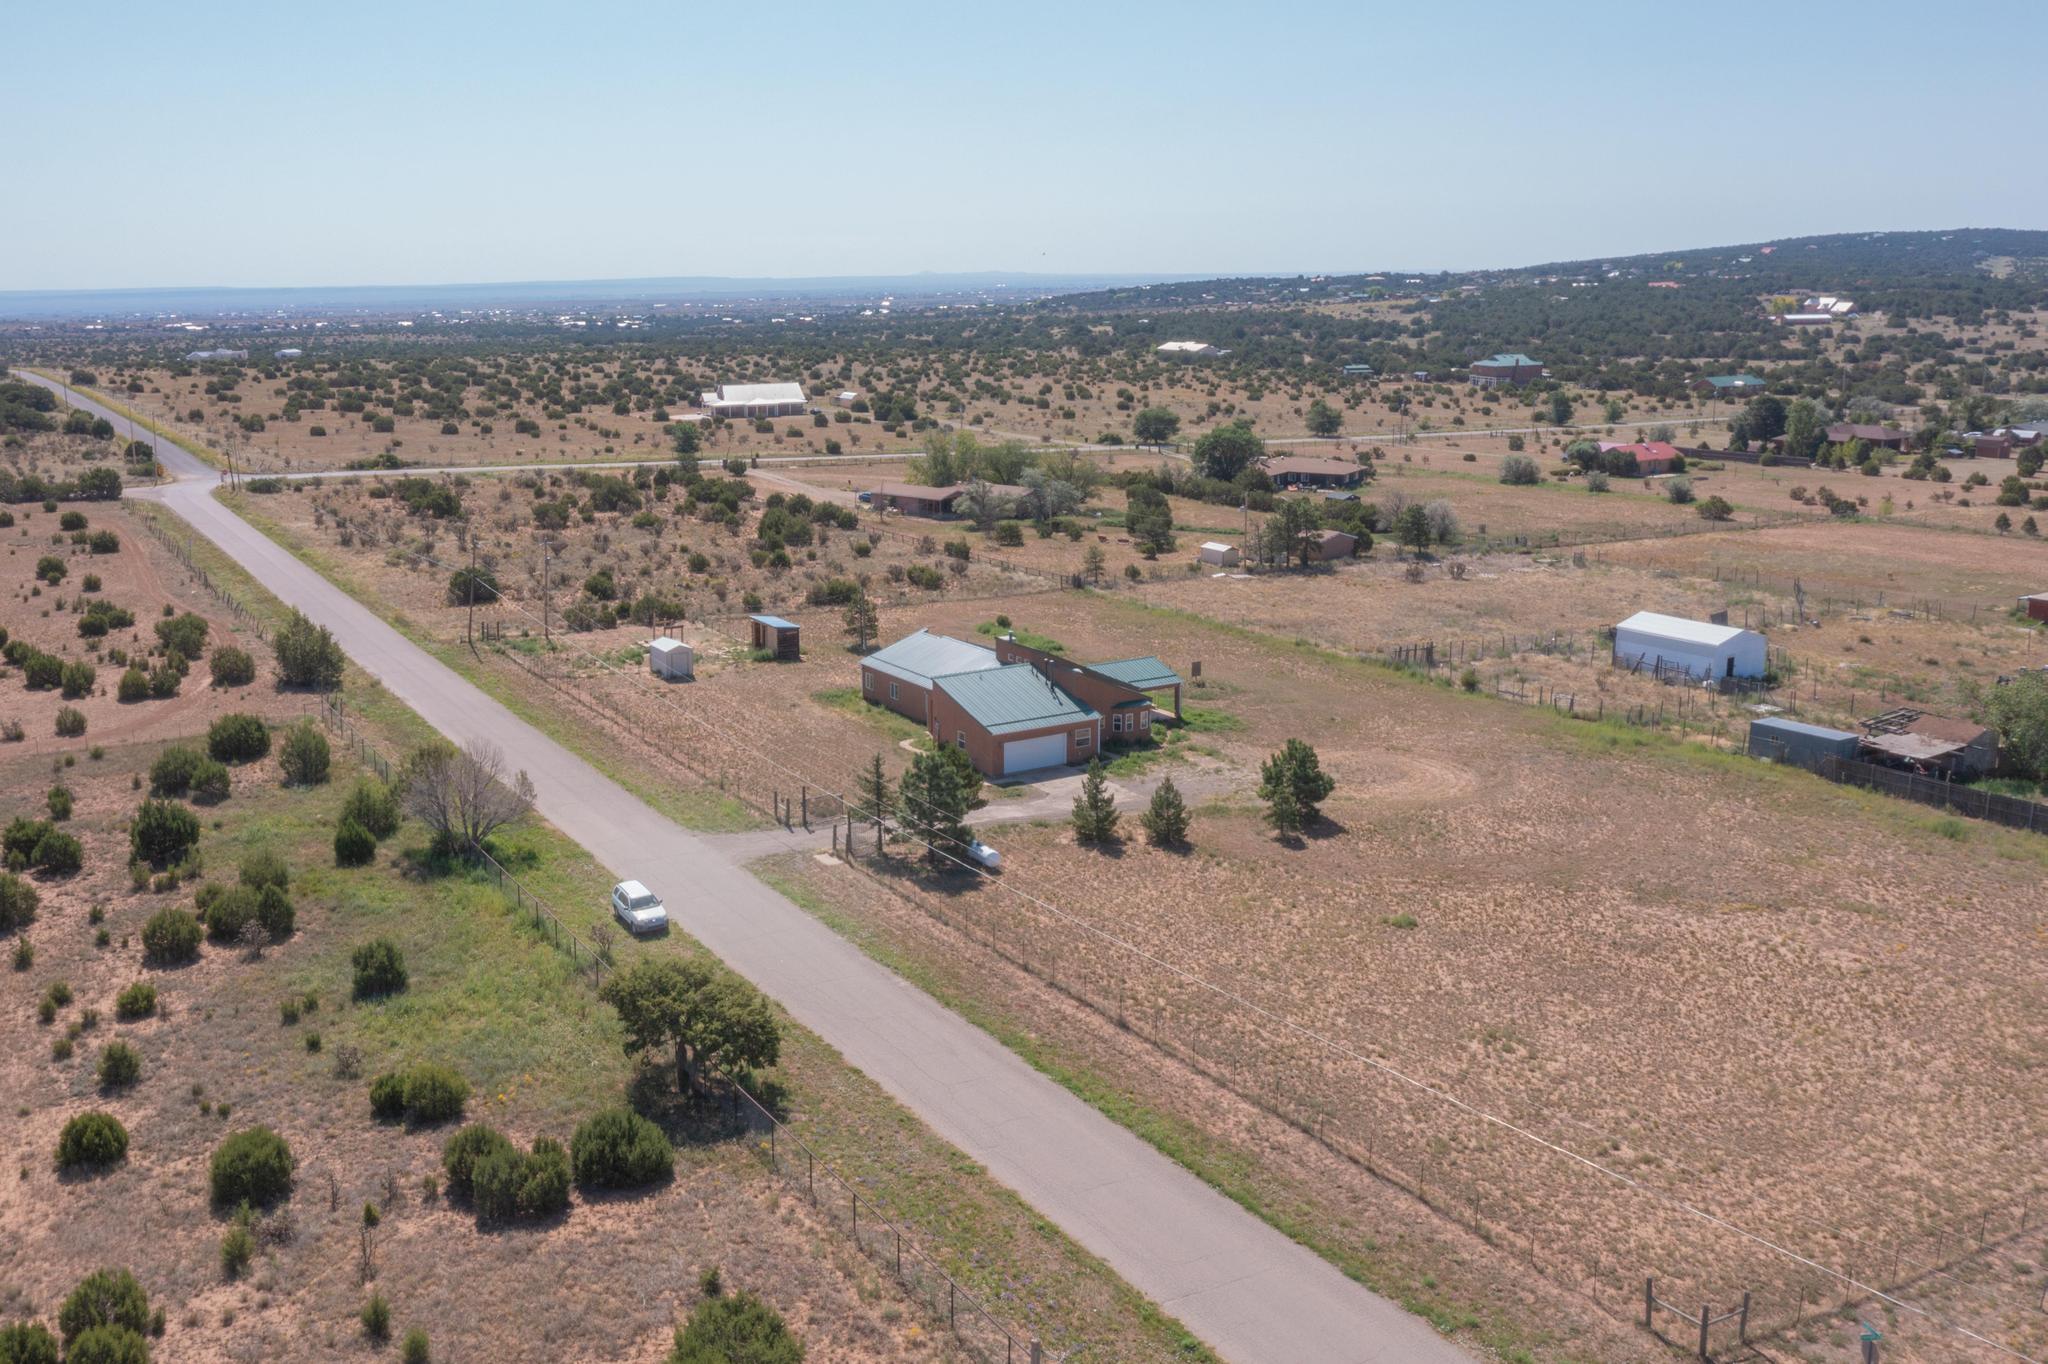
(544, 636)
(469, 592)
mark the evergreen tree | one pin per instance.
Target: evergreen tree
(1293, 784)
(1283, 812)
(1095, 814)
(862, 621)
(932, 807)
(1167, 818)
(880, 803)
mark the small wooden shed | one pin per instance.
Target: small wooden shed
(671, 659)
(777, 636)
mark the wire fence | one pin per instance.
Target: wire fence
(181, 550)
(879, 1235)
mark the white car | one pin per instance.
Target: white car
(638, 908)
(984, 854)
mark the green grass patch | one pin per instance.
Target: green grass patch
(849, 702)
(1030, 639)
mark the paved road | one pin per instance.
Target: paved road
(1253, 1295)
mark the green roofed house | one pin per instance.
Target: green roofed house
(1509, 367)
(1013, 719)
(1728, 386)
(1014, 708)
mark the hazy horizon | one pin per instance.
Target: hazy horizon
(207, 149)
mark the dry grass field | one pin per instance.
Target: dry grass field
(1682, 967)
(1051, 398)
(1897, 924)
(142, 579)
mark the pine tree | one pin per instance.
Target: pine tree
(1283, 812)
(1167, 818)
(862, 621)
(1095, 814)
(875, 793)
(1297, 772)
(933, 807)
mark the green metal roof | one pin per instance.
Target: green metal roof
(1146, 673)
(1515, 359)
(1013, 698)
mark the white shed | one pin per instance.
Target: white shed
(1217, 553)
(1652, 642)
(672, 659)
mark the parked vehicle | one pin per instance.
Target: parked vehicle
(638, 908)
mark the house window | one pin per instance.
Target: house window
(1083, 737)
(892, 691)
(867, 681)
(960, 739)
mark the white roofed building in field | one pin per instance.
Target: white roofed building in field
(1185, 350)
(1649, 642)
(756, 400)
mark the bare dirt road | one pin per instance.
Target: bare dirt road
(1253, 1295)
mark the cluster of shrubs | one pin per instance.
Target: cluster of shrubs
(162, 832)
(238, 738)
(379, 969)
(171, 937)
(228, 911)
(421, 1094)
(94, 485)
(500, 1181)
(619, 1149)
(18, 903)
(232, 667)
(369, 815)
(254, 1166)
(101, 617)
(91, 1141)
(40, 845)
(183, 771)
(105, 1320)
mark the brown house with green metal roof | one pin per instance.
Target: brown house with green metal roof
(1035, 710)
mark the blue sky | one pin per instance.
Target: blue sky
(282, 144)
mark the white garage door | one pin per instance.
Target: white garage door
(1028, 755)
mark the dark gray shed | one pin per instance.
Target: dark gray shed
(1790, 741)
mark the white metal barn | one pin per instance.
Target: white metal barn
(671, 659)
(1652, 642)
(1217, 553)
(755, 400)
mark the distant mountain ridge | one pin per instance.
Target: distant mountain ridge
(385, 298)
(1837, 261)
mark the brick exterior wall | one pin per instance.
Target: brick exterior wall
(910, 701)
(1093, 690)
(949, 723)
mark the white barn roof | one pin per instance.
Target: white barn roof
(761, 393)
(1679, 628)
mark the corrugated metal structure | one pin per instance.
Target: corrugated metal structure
(1650, 642)
(1790, 741)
